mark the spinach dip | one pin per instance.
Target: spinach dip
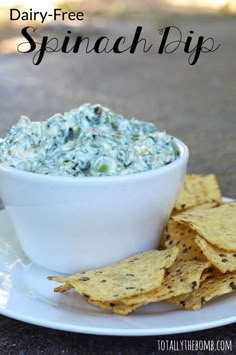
(87, 141)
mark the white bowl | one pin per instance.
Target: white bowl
(69, 224)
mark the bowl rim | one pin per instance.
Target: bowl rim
(26, 175)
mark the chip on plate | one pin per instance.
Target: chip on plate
(181, 235)
(221, 259)
(196, 190)
(181, 277)
(177, 234)
(137, 274)
(216, 225)
(210, 288)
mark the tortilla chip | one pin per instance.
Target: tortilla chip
(210, 288)
(180, 235)
(137, 258)
(138, 274)
(177, 234)
(117, 307)
(182, 277)
(216, 225)
(196, 190)
(222, 260)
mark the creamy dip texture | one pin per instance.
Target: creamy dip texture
(87, 141)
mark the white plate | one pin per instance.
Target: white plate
(27, 295)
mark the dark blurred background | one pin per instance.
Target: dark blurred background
(195, 103)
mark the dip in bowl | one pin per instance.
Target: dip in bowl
(89, 188)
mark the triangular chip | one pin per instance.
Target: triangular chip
(181, 277)
(137, 274)
(216, 225)
(180, 235)
(196, 190)
(223, 260)
(210, 288)
(137, 258)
